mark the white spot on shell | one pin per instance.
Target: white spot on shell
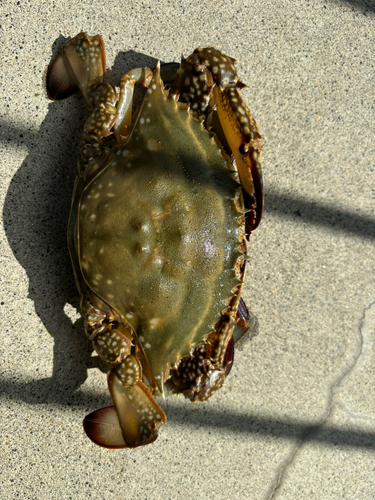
(152, 145)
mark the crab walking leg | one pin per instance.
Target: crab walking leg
(81, 67)
(141, 76)
(201, 374)
(92, 155)
(135, 418)
(243, 321)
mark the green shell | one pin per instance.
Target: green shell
(158, 231)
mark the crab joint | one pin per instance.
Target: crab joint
(244, 141)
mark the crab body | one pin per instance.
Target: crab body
(157, 229)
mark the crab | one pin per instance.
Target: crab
(165, 199)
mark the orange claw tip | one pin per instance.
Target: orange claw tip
(60, 82)
(103, 428)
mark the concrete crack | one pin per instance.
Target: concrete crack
(311, 430)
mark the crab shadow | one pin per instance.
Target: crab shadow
(35, 215)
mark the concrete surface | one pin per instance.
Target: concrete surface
(296, 418)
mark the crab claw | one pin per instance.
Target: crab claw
(79, 66)
(244, 140)
(133, 421)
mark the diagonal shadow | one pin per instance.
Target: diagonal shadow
(268, 426)
(183, 413)
(319, 214)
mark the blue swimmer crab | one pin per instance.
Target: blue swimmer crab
(157, 234)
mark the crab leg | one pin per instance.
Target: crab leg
(243, 138)
(212, 362)
(135, 418)
(81, 67)
(141, 76)
(203, 372)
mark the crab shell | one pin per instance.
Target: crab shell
(157, 230)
